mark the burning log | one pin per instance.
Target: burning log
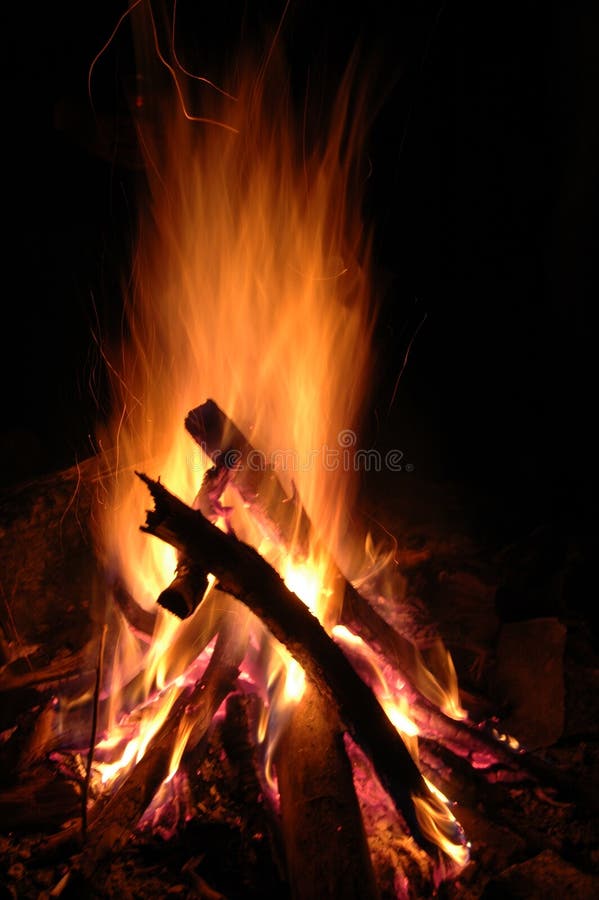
(187, 645)
(243, 573)
(261, 829)
(316, 785)
(184, 593)
(58, 670)
(455, 776)
(281, 518)
(284, 519)
(111, 828)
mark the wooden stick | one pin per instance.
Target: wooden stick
(316, 786)
(94, 731)
(244, 574)
(284, 519)
(281, 518)
(184, 594)
(58, 670)
(260, 833)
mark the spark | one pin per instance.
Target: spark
(185, 71)
(405, 362)
(72, 501)
(170, 69)
(105, 47)
(165, 63)
(273, 44)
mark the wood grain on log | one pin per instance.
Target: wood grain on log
(316, 786)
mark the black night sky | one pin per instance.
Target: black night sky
(483, 195)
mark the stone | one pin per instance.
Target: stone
(546, 875)
(528, 681)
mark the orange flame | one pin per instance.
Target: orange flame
(251, 286)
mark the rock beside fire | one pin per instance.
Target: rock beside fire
(529, 680)
(546, 875)
(47, 562)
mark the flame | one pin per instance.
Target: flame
(396, 706)
(440, 826)
(286, 680)
(250, 278)
(441, 688)
(307, 581)
(433, 671)
(251, 286)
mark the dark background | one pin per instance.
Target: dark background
(483, 196)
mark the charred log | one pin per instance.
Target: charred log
(281, 518)
(261, 827)
(244, 574)
(184, 594)
(284, 519)
(456, 778)
(316, 785)
(43, 800)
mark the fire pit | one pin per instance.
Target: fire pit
(245, 696)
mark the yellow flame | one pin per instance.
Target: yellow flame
(250, 278)
(295, 682)
(442, 686)
(285, 676)
(432, 670)
(184, 732)
(397, 712)
(251, 287)
(440, 826)
(153, 717)
(393, 702)
(508, 739)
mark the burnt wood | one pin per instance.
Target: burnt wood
(284, 519)
(184, 594)
(323, 832)
(243, 573)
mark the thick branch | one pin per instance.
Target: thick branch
(284, 519)
(184, 594)
(316, 785)
(244, 574)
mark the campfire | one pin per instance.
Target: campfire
(249, 617)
